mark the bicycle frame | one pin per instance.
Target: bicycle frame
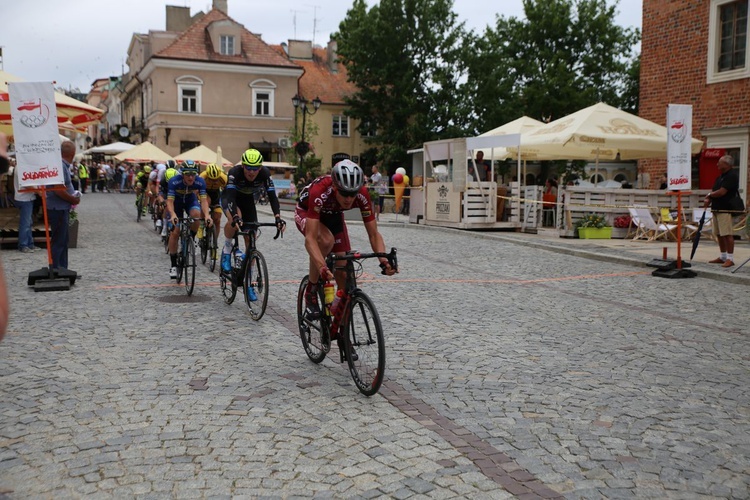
(341, 315)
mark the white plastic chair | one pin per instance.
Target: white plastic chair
(647, 228)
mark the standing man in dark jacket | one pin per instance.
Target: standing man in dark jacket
(59, 202)
(725, 188)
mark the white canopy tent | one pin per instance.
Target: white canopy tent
(110, 149)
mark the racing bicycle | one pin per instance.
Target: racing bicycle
(248, 270)
(354, 325)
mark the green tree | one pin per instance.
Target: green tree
(566, 55)
(405, 58)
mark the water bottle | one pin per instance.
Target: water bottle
(336, 301)
(328, 294)
(238, 256)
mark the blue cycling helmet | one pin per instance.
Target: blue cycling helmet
(189, 167)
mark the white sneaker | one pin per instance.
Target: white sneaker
(173, 273)
(164, 231)
(158, 223)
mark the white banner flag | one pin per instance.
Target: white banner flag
(679, 135)
(34, 117)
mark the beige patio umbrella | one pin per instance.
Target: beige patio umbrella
(71, 113)
(143, 153)
(201, 155)
(600, 131)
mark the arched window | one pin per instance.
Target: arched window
(263, 97)
(189, 94)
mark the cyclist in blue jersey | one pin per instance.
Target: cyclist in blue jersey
(238, 200)
(186, 192)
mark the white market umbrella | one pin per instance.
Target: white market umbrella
(202, 155)
(143, 153)
(600, 131)
(110, 149)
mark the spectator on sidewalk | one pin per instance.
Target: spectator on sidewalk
(725, 188)
(25, 203)
(58, 209)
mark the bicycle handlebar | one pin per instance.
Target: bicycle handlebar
(391, 256)
(256, 225)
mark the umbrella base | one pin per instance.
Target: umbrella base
(667, 264)
(674, 273)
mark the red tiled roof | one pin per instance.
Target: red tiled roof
(195, 44)
(318, 79)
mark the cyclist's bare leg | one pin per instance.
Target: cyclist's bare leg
(325, 243)
(216, 216)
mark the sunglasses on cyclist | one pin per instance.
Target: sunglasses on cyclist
(252, 169)
(348, 195)
(189, 174)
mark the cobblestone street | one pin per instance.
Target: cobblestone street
(512, 371)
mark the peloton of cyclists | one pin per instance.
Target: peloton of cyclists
(186, 192)
(238, 201)
(319, 216)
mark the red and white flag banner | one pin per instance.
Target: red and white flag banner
(34, 117)
(679, 135)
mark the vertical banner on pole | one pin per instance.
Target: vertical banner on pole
(679, 135)
(34, 116)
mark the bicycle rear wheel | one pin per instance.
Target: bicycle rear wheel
(189, 265)
(256, 276)
(310, 329)
(364, 334)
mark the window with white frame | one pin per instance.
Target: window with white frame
(227, 45)
(189, 94)
(728, 41)
(341, 126)
(263, 97)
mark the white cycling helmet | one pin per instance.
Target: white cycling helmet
(347, 176)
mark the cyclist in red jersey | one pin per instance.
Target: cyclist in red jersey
(320, 217)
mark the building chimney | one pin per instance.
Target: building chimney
(178, 18)
(300, 49)
(221, 5)
(332, 54)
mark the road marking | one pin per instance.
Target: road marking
(406, 280)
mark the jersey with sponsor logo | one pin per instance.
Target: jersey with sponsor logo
(177, 189)
(319, 198)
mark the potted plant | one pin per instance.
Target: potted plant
(73, 228)
(622, 226)
(593, 226)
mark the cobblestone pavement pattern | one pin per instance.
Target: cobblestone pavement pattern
(512, 371)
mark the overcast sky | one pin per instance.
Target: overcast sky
(75, 42)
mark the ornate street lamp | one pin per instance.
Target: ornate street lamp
(300, 103)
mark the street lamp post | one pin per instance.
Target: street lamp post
(300, 103)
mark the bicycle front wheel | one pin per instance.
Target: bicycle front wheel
(203, 243)
(214, 251)
(189, 265)
(365, 344)
(310, 328)
(256, 283)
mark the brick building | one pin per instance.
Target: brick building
(696, 52)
